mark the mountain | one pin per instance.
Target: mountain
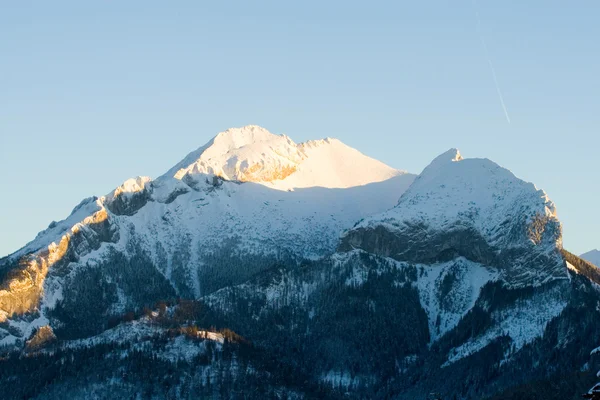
(261, 268)
(253, 154)
(472, 208)
(230, 209)
(592, 256)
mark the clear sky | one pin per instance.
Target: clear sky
(92, 93)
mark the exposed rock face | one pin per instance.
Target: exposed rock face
(42, 337)
(128, 198)
(474, 209)
(460, 287)
(23, 285)
(217, 218)
(418, 244)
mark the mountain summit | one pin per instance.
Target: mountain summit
(258, 265)
(472, 208)
(246, 195)
(253, 154)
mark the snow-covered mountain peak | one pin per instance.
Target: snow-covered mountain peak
(480, 190)
(250, 153)
(452, 185)
(451, 155)
(485, 204)
(441, 162)
(238, 137)
(130, 187)
(253, 154)
(245, 140)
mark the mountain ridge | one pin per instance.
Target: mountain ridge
(592, 256)
(469, 198)
(213, 277)
(172, 226)
(253, 154)
(166, 182)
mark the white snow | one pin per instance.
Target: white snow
(129, 187)
(525, 321)
(330, 163)
(56, 230)
(478, 190)
(444, 305)
(454, 193)
(25, 328)
(253, 154)
(256, 219)
(253, 216)
(445, 310)
(307, 220)
(572, 267)
(297, 198)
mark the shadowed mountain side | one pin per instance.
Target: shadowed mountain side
(188, 242)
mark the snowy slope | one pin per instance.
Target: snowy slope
(250, 219)
(330, 163)
(470, 207)
(523, 322)
(445, 309)
(592, 256)
(466, 252)
(56, 230)
(323, 187)
(246, 193)
(452, 188)
(255, 213)
(253, 154)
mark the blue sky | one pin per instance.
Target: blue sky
(92, 93)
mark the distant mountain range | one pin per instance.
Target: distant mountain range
(261, 268)
(592, 256)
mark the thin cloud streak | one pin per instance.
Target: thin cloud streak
(489, 60)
